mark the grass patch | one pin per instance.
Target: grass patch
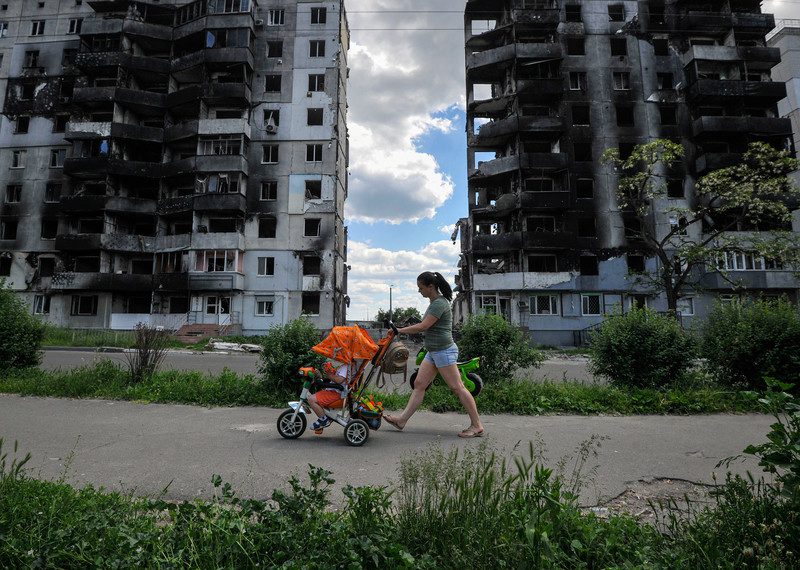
(107, 380)
(448, 510)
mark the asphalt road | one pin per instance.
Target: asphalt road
(145, 448)
(555, 369)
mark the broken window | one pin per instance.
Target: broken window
(312, 227)
(57, 157)
(685, 306)
(664, 81)
(637, 301)
(178, 305)
(32, 58)
(619, 47)
(272, 83)
(21, 124)
(313, 153)
(583, 151)
(13, 193)
(541, 224)
(616, 12)
(18, 158)
(544, 304)
(575, 46)
(47, 266)
(668, 115)
(622, 80)
(635, 263)
(272, 119)
(590, 305)
(139, 305)
(269, 154)
(675, 188)
(3, 29)
(265, 306)
(577, 81)
(319, 15)
(267, 227)
(41, 304)
(316, 82)
(625, 150)
(49, 228)
(75, 25)
(539, 184)
(142, 266)
(60, 123)
(37, 27)
(661, 46)
(310, 303)
(218, 260)
(540, 263)
(223, 225)
(87, 264)
(588, 265)
(587, 228)
(311, 265)
(275, 48)
(269, 190)
(316, 48)
(625, 116)
(633, 228)
(83, 305)
(572, 13)
(314, 117)
(266, 266)
(584, 188)
(8, 229)
(313, 189)
(580, 115)
(5, 266)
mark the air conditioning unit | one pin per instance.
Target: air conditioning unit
(259, 22)
(308, 94)
(271, 129)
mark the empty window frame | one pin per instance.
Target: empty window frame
(275, 48)
(49, 228)
(577, 81)
(668, 115)
(635, 263)
(265, 306)
(675, 188)
(269, 154)
(8, 229)
(576, 46)
(622, 80)
(316, 48)
(313, 189)
(21, 124)
(572, 13)
(316, 82)
(212, 261)
(591, 305)
(57, 157)
(584, 188)
(313, 153)
(37, 27)
(266, 266)
(587, 228)
(267, 228)
(83, 305)
(588, 265)
(75, 25)
(619, 47)
(18, 158)
(13, 193)
(544, 304)
(60, 123)
(538, 224)
(41, 304)
(314, 117)
(539, 184)
(269, 191)
(311, 227)
(312, 265)
(625, 116)
(661, 46)
(664, 81)
(543, 263)
(310, 303)
(32, 58)
(272, 83)
(223, 145)
(52, 192)
(616, 12)
(5, 266)
(581, 115)
(582, 151)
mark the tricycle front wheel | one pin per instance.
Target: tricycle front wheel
(291, 429)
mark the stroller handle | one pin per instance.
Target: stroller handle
(390, 325)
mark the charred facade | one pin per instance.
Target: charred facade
(552, 84)
(175, 162)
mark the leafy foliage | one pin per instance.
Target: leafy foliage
(286, 349)
(399, 315)
(744, 343)
(503, 346)
(149, 350)
(20, 333)
(641, 348)
(755, 192)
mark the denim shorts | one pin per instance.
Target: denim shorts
(442, 358)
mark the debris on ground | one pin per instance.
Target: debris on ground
(217, 344)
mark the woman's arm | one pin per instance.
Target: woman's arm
(426, 323)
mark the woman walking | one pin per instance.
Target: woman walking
(437, 324)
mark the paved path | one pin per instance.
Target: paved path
(145, 447)
(555, 369)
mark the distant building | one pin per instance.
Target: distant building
(175, 161)
(551, 84)
(786, 38)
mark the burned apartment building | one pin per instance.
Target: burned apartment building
(175, 162)
(551, 84)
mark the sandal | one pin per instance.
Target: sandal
(322, 423)
(471, 432)
(391, 420)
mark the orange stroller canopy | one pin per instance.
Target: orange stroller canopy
(345, 344)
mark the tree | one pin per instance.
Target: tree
(20, 333)
(741, 208)
(399, 315)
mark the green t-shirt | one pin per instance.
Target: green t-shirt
(440, 335)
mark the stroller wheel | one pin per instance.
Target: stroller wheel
(356, 432)
(291, 429)
(477, 384)
(413, 379)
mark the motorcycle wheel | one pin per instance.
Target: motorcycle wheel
(291, 429)
(477, 384)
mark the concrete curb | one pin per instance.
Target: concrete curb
(118, 350)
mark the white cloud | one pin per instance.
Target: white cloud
(399, 81)
(374, 269)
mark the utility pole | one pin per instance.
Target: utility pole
(390, 302)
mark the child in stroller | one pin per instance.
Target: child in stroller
(331, 396)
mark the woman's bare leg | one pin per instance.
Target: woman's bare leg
(453, 379)
(425, 375)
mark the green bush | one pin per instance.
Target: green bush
(20, 332)
(286, 349)
(503, 346)
(641, 348)
(744, 343)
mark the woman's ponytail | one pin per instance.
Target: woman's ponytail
(444, 286)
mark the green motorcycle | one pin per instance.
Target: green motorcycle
(469, 377)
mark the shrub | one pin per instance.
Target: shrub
(641, 348)
(746, 342)
(503, 346)
(149, 350)
(20, 332)
(286, 349)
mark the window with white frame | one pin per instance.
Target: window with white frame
(218, 305)
(57, 157)
(319, 15)
(591, 305)
(577, 81)
(83, 305)
(13, 193)
(276, 17)
(685, 306)
(544, 304)
(266, 266)
(265, 306)
(18, 158)
(269, 154)
(41, 304)
(313, 153)
(487, 304)
(3, 29)
(622, 81)
(211, 261)
(316, 48)
(269, 191)
(316, 82)
(746, 261)
(37, 27)
(75, 25)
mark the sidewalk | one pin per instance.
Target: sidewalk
(145, 448)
